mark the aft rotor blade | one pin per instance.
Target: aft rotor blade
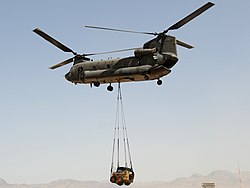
(120, 30)
(183, 44)
(62, 63)
(110, 52)
(53, 41)
(190, 17)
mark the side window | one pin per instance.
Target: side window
(80, 69)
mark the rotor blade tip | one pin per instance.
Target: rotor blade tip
(212, 4)
(36, 29)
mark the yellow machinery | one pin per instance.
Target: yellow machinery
(122, 176)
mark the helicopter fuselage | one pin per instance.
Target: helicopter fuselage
(152, 62)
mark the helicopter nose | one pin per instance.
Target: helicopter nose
(67, 76)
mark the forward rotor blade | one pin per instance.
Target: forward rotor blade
(62, 63)
(53, 41)
(110, 52)
(120, 30)
(190, 17)
(183, 44)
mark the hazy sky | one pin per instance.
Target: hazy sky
(196, 122)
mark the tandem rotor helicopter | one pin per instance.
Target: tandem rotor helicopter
(151, 62)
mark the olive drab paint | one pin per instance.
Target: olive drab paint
(151, 62)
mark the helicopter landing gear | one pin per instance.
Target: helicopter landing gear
(110, 88)
(97, 84)
(146, 77)
(159, 82)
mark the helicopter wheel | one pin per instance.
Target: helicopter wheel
(96, 84)
(110, 88)
(146, 77)
(159, 82)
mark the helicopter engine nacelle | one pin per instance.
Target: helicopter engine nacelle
(142, 52)
(159, 57)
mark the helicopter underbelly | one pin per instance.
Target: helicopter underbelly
(128, 74)
(116, 79)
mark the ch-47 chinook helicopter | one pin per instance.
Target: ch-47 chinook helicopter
(151, 62)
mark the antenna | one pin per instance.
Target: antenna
(239, 174)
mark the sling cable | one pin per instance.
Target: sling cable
(121, 165)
